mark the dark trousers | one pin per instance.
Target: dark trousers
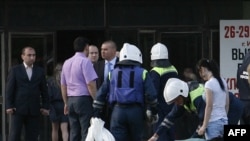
(235, 112)
(30, 124)
(127, 123)
(80, 113)
(245, 119)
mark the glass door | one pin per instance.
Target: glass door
(44, 44)
(184, 48)
(215, 45)
(146, 39)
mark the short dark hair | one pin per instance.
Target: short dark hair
(25, 48)
(80, 43)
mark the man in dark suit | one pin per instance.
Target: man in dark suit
(25, 90)
(102, 67)
(108, 53)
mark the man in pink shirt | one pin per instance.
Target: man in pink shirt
(78, 85)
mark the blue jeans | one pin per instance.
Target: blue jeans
(215, 129)
(80, 113)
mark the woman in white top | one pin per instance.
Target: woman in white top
(217, 101)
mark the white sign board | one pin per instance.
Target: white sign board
(234, 44)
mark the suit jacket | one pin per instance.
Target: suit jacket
(27, 96)
(99, 67)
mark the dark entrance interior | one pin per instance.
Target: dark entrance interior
(184, 48)
(64, 41)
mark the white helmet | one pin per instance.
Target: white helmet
(159, 51)
(130, 52)
(173, 88)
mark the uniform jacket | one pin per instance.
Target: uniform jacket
(160, 76)
(148, 87)
(242, 79)
(177, 111)
(127, 85)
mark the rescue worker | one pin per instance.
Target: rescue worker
(244, 88)
(161, 71)
(128, 90)
(185, 99)
(188, 97)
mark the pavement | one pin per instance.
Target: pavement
(192, 139)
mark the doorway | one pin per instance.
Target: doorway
(146, 39)
(42, 42)
(184, 48)
(65, 39)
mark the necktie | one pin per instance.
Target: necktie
(108, 69)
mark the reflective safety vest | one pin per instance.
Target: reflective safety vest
(162, 71)
(162, 74)
(126, 85)
(193, 95)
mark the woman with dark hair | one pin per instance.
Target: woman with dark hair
(57, 117)
(217, 100)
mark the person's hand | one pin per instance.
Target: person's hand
(97, 112)
(201, 130)
(11, 110)
(66, 109)
(152, 118)
(44, 112)
(154, 138)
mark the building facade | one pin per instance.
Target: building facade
(190, 30)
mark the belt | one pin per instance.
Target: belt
(128, 105)
(80, 96)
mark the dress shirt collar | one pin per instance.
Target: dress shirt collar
(113, 61)
(26, 66)
(80, 54)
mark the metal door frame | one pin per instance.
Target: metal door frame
(6, 62)
(3, 85)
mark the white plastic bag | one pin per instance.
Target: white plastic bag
(97, 131)
(90, 136)
(107, 136)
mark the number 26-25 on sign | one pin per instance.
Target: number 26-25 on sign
(241, 132)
